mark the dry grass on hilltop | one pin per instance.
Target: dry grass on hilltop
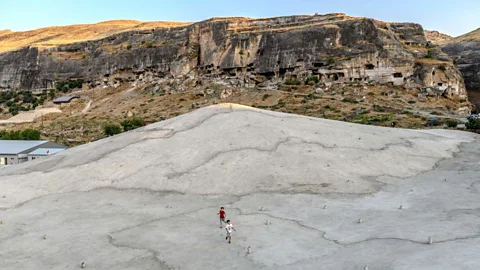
(57, 35)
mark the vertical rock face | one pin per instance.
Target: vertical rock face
(466, 52)
(244, 52)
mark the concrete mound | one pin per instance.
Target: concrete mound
(336, 196)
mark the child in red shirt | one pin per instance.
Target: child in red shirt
(223, 215)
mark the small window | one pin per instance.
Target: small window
(12, 158)
(33, 157)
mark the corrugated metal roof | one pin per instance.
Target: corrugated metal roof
(45, 151)
(13, 147)
(64, 99)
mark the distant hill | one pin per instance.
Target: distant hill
(57, 35)
(436, 37)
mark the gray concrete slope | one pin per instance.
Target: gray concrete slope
(147, 199)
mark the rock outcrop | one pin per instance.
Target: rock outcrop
(244, 52)
(465, 50)
(436, 37)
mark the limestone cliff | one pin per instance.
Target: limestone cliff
(466, 52)
(244, 52)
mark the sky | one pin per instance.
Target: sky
(451, 17)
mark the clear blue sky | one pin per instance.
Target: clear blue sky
(454, 17)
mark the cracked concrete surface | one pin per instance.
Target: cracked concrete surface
(147, 199)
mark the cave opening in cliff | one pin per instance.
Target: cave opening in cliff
(317, 65)
(268, 75)
(398, 75)
(370, 66)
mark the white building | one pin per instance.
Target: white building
(43, 152)
(15, 152)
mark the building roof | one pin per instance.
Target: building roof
(64, 99)
(13, 147)
(45, 151)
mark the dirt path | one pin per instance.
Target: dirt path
(30, 116)
(87, 107)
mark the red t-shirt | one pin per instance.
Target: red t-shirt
(222, 214)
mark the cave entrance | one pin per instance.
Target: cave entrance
(398, 75)
(370, 66)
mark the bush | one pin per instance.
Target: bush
(412, 102)
(51, 94)
(349, 100)
(451, 123)
(313, 79)
(265, 97)
(129, 46)
(473, 124)
(292, 82)
(330, 60)
(27, 134)
(133, 123)
(112, 129)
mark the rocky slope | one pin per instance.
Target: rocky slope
(241, 52)
(436, 37)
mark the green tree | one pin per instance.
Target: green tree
(473, 124)
(30, 134)
(27, 134)
(112, 129)
(51, 93)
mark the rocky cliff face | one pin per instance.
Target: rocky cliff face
(264, 53)
(466, 52)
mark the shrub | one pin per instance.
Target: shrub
(313, 79)
(349, 100)
(371, 94)
(330, 60)
(240, 52)
(266, 96)
(27, 134)
(292, 82)
(412, 102)
(451, 123)
(133, 123)
(129, 46)
(112, 129)
(473, 124)
(51, 94)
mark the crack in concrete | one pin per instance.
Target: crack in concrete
(154, 254)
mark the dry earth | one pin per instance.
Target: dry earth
(147, 199)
